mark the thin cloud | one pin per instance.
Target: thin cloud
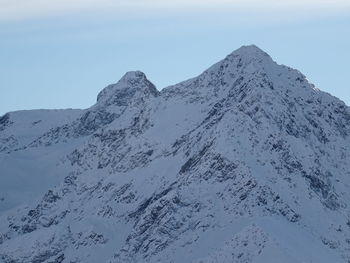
(26, 9)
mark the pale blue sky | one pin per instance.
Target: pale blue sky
(61, 55)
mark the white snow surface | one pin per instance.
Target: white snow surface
(247, 162)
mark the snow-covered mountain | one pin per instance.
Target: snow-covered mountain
(248, 162)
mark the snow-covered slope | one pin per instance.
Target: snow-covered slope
(248, 162)
(19, 128)
(27, 173)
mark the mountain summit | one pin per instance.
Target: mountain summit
(131, 83)
(247, 162)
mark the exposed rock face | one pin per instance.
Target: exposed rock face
(133, 89)
(247, 162)
(133, 85)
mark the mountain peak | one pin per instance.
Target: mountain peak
(249, 54)
(244, 60)
(132, 83)
(137, 74)
(250, 50)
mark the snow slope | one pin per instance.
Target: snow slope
(247, 162)
(25, 172)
